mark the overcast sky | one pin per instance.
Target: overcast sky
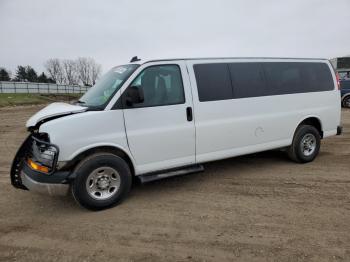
(113, 31)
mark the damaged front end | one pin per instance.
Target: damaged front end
(34, 167)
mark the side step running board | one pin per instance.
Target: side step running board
(170, 173)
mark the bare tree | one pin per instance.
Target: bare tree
(70, 71)
(83, 67)
(96, 71)
(83, 70)
(88, 70)
(55, 70)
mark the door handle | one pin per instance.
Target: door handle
(189, 113)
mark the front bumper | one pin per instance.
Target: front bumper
(56, 184)
(44, 188)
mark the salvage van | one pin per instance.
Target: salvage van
(161, 118)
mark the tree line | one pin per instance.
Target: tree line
(81, 71)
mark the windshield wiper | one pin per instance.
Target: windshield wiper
(80, 102)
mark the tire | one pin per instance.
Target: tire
(306, 144)
(102, 181)
(346, 102)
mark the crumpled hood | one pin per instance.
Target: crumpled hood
(54, 110)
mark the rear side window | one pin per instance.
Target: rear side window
(284, 78)
(213, 82)
(319, 77)
(247, 79)
(252, 79)
(296, 77)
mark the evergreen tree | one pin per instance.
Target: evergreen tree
(21, 74)
(26, 74)
(51, 81)
(4, 75)
(43, 78)
(31, 75)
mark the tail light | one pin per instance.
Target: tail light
(338, 80)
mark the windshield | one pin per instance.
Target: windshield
(98, 95)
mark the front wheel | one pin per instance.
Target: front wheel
(102, 181)
(306, 144)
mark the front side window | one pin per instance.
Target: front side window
(99, 95)
(160, 85)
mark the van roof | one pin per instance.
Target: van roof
(216, 58)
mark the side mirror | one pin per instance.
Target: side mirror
(134, 95)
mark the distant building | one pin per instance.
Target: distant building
(342, 66)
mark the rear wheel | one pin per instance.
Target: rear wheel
(102, 181)
(346, 102)
(306, 144)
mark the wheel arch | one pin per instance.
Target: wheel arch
(313, 121)
(79, 156)
(343, 98)
(345, 95)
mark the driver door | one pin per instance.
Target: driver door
(160, 129)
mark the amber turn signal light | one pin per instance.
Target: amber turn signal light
(37, 167)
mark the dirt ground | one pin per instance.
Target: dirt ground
(260, 207)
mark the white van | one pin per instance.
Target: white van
(164, 118)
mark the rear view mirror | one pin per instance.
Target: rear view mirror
(134, 95)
